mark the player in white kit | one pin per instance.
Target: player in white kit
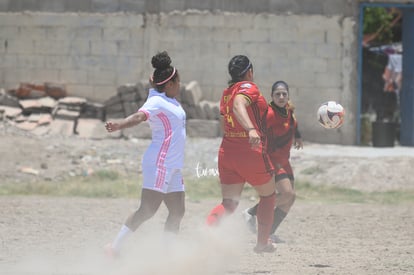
(163, 160)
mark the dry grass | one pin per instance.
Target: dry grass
(109, 184)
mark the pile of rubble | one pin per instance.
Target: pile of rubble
(47, 109)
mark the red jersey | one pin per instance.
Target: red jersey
(238, 162)
(234, 133)
(281, 128)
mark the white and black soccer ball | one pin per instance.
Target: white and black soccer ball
(331, 115)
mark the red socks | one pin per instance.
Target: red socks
(265, 218)
(215, 215)
(226, 207)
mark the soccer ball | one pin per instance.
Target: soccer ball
(331, 115)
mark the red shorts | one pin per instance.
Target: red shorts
(246, 165)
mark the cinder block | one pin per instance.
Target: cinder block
(116, 34)
(203, 128)
(142, 130)
(125, 89)
(200, 113)
(190, 111)
(104, 48)
(62, 127)
(20, 46)
(101, 92)
(211, 109)
(10, 112)
(94, 129)
(193, 93)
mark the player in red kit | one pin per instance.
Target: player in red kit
(282, 133)
(243, 152)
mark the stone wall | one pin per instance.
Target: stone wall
(94, 46)
(331, 7)
(92, 54)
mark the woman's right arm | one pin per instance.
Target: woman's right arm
(240, 111)
(127, 122)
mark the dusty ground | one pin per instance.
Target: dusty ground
(64, 236)
(50, 236)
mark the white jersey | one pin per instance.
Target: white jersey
(167, 120)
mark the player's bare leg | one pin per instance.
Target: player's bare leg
(175, 203)
(231, 194)
(286, 195)
(150, 202)
(284, 200)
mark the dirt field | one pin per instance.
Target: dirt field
(65, 236)
(50, 236)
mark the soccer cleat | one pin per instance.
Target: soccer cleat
(110, 252)
(276, 239)
(250, 220)
(267, 248)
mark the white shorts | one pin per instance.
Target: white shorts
(164, 180)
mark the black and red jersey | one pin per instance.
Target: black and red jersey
(281, 129)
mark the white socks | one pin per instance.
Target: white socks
(122, 235)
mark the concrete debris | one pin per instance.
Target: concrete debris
(142, 130)
(37, 105)
(29, 170)
(10, 112)
(27, 125)
(35, 90)
(55, 90)
(8, 100)
(203, 128)
(72, 102)
(192, 93)
(94, 129)
(66, 114)
(47, 109)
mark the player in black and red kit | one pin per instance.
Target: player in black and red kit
(282, 134)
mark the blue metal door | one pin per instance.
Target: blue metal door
(407, 92)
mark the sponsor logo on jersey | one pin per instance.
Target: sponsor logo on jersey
(246, 85)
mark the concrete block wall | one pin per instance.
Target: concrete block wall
(91, 54)
(331, 7)
(94, 53)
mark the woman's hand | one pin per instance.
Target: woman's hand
(112, 126)
(298, 143)
(130, 121)
(254, 138)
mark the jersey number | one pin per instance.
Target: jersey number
(229, 118)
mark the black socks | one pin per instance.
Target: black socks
(279, 216)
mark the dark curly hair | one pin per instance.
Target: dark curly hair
(238, 67)
(161, 62)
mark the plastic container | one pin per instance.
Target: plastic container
(383, 134)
